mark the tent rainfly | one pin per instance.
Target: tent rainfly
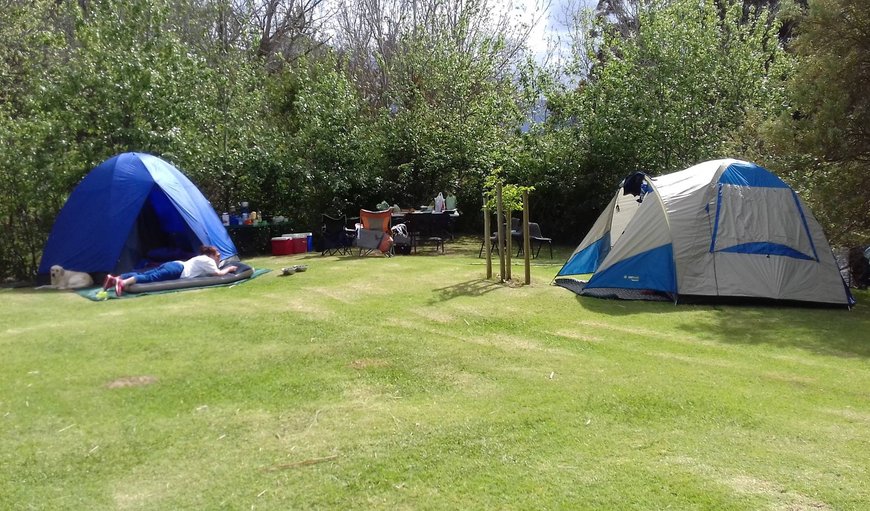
(722, 228)
(131, 208)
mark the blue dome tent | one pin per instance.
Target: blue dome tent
(132, 208)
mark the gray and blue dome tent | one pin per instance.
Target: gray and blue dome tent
(722, 228)
(128, 209)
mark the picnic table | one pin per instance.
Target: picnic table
(427, 227)
(252, 240)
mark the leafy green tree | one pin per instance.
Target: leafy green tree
(128, 83)
(98, 78)
(552, 154)
(452, 120)
(329, 143)
(671, 95)
(31, 52)
(437, 78)
(374, 37)
(823, 140)
(511, 194)
(656, 87)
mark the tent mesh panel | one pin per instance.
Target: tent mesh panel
(579, 287)
(570, 284)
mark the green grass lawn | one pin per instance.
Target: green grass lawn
(414, 383)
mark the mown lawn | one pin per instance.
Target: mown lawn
(413, 383)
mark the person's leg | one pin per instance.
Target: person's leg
(166, 271)
(111, 281)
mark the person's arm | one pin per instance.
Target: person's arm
(228, 269)
(216, 271)
(208, 266)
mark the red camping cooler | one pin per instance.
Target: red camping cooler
(292, 237)
(297, 242)
(282, 245)
(300, 243)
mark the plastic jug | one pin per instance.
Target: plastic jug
(450, 202)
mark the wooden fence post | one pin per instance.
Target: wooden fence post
(486, 239)
(500, 220)
(526, 242)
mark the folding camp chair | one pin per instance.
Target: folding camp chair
(374, 232)
(337, 238)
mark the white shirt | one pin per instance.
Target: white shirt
(199, 266)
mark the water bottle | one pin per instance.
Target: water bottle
(225, 218)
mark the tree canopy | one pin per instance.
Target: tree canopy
(302, 107)
(822, 140)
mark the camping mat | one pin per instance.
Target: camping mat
(91, 293)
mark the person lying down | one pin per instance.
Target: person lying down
(203, 265)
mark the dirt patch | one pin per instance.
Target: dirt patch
(780, 498)
(848, 413)
(365, 363)
(790, 378)
(579, 336)
(131, 381)
(783, 499)
(696, 360)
